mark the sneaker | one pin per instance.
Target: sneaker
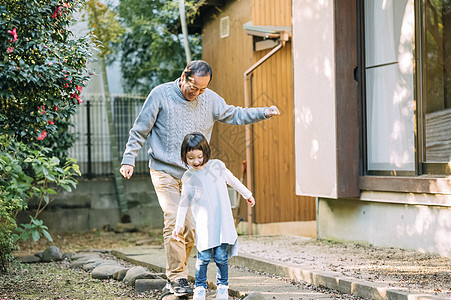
(222, 292)
(199, 293)
(179, 287)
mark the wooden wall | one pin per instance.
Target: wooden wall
(229, 57)
(272, 84)
(274, 164)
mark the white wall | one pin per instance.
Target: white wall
(416, 227)
(314, 97)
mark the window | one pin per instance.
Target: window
(224, 27)
(435, 75)
(407, 104)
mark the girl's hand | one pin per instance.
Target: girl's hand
(176, 233)
(251, 201)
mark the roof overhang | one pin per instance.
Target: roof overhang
(266, 37)
(271, 32)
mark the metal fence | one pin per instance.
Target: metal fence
(92, 148)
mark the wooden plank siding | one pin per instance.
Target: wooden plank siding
(271, 84)
(274, 159)
(229, 57)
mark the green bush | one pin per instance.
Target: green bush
(27, 174)
(8, 208)
(42, 73)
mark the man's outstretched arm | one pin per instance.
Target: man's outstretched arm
(236, 115)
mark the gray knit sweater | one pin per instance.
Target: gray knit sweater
(166, 117)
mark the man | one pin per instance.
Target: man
(171, 111)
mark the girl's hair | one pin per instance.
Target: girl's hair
(199, 68)
(195, 141)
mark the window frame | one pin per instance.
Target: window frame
(422, 168)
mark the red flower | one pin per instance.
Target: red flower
(42, 135)
(43, 109)
(74, 95)
(10, 49)
(14, 34)
(67, 85)
(66, 5)
(79, 88)
(57, 12)
(51, 122)
(56, 108)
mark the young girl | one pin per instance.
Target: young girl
(204, 189)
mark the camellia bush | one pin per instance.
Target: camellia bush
(42, 73)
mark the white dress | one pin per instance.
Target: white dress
(205, 190)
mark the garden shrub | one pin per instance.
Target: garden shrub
(26, 173)
(42, 73)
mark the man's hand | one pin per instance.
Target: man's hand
(272, 111)
(126, 171)
(251, 201)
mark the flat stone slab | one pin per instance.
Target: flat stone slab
(137, 272)
(106, 271)
(147, 285)
(120, 275)
(79, 263)
(90, 266)
(28, 259)
(85, 256)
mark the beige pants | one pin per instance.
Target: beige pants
(168, 189)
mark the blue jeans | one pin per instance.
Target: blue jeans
(222, 262)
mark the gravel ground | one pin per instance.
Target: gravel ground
(409, 270)
(57, 281)
(413, 271)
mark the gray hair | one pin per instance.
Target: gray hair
(199, 68)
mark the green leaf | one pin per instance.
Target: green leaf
(19, 229)
(55, 160)
(26, 236)
(50, 191)
(37, 222)
(47, 235)
(66, 187)
(50, 177)
(15, 237)
(26, 226)
(35, 235)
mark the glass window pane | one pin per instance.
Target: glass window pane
(436, 64)
(390, 119)
(389, 32)
(383, 23)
